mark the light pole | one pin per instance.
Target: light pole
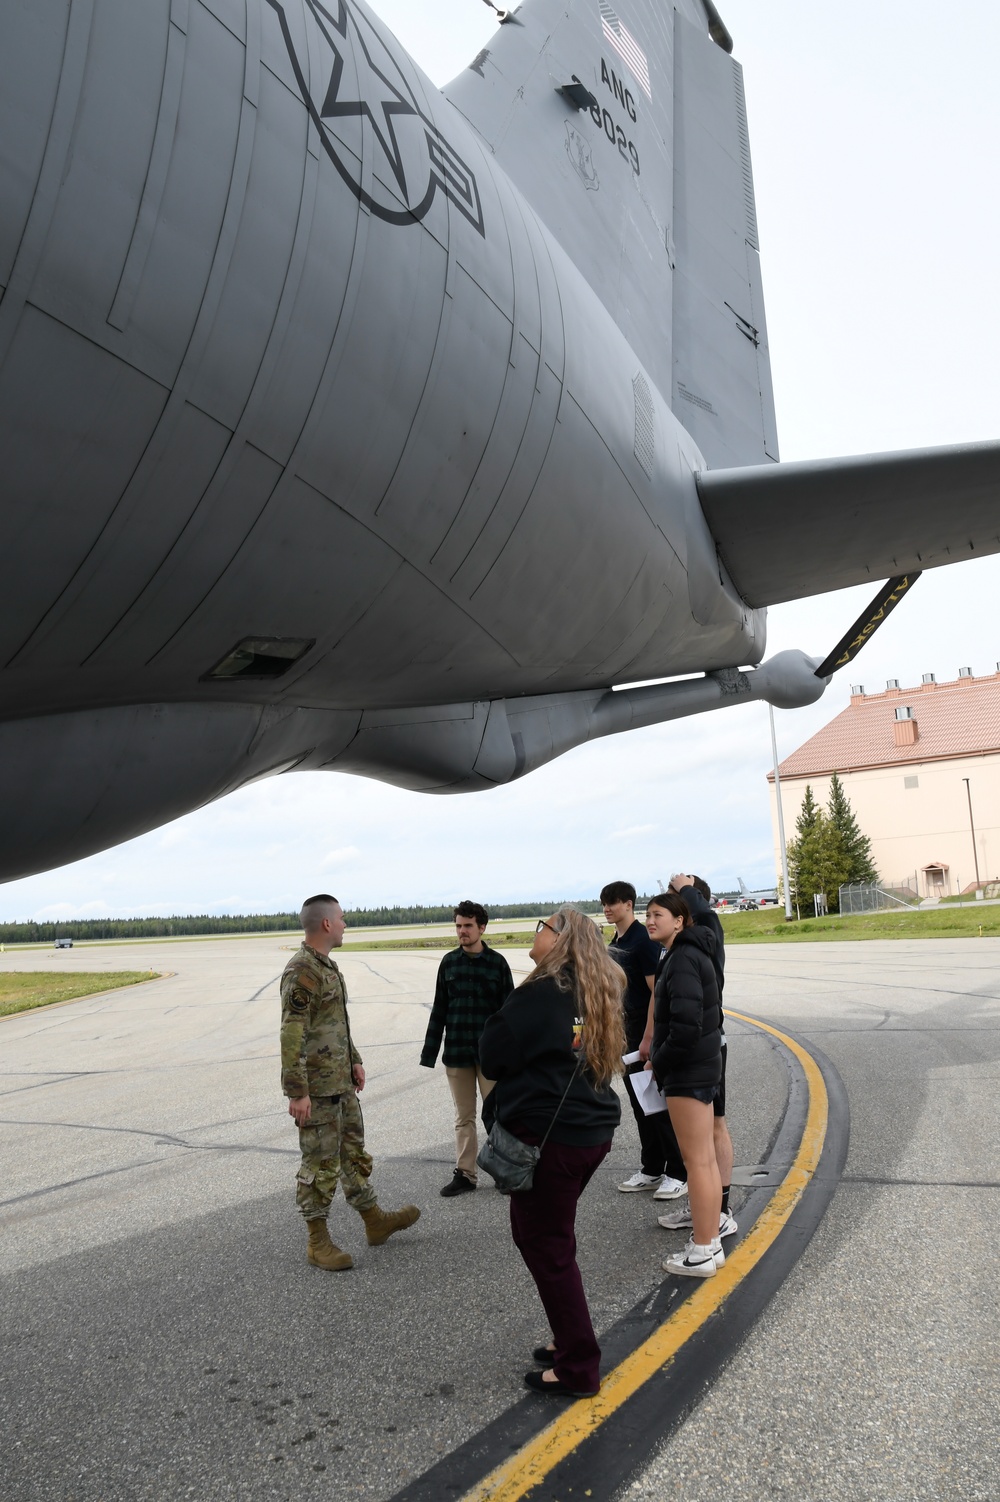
(781, 820)
(975, 857)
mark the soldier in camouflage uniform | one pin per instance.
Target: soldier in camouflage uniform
(322, 1075)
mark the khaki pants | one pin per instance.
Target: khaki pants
(462, 1083)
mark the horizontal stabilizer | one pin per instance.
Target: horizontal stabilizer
(792, 530)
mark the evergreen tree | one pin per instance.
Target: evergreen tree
(817, 861)
(856, 847)
(809, 813)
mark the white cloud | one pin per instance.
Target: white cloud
(341, 857)
(632, 832)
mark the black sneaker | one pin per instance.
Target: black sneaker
(459, 1185)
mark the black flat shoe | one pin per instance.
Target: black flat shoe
(459, 1185)
(543, 1356)
(557, 1389)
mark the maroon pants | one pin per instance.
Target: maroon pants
(543, 1225)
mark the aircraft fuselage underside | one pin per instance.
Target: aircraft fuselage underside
(288, 361)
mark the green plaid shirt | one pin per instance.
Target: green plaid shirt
(469, 989)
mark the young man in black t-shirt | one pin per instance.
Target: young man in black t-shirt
(661, 1167)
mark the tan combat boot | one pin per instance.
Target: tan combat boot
(322, 1252)
(379, 1226)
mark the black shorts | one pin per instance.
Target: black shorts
(720, 1094)
(705, 1093)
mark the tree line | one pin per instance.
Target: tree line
(245, 923)
(828, 851)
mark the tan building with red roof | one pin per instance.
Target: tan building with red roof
(903, 757)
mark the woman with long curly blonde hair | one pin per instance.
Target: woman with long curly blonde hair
(553, 1049)
(578, 960)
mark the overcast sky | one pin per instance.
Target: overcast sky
(875, 132)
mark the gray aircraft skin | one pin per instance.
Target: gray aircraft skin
(350, 423)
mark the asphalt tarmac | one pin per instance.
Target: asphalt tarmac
(873, 1375)
(164, 1337)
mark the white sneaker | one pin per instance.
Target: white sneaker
(639, 1181)
(680, 1220)
(717, 1252)
(694, 1261)
(670, 1189)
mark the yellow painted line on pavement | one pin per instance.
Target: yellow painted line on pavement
(534, 1461)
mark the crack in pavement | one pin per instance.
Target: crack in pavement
(62, 1076)
(862, 1178)
(105, 1173)
(872, 985)
(860, 1031)
(166, 1139)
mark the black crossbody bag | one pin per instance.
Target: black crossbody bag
(510, 1162)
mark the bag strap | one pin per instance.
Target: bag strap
(559, 1107)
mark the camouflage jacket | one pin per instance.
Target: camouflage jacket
(316, 1048)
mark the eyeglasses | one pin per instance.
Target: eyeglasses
(542, 924)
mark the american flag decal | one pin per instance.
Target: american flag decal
(626, 46)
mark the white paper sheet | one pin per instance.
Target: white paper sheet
(648, 1093)
(643, 1082)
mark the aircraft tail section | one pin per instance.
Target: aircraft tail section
(622, 123)
(721, 388)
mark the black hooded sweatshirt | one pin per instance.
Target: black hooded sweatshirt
(527, 1047)
(687, 1014)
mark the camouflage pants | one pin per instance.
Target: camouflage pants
(333, 1147)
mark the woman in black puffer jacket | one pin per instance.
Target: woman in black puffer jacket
(686, 1058)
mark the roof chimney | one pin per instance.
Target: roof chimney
(894, 682)
(904, 730)
(928, 678)
(857, 689)
(965, 672)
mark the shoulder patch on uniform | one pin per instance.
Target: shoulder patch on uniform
(302, 975)
(298, 1000)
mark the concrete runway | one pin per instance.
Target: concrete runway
(165, 1338)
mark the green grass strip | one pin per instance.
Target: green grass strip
(23, 990)
(444, 942)
(768, 926)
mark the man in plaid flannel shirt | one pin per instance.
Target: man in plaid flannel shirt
(473, 982)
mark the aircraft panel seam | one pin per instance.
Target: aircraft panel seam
(541, 238)
(516, 333)
(208, 308)
(435, 363)
(285, 303)
(58, 144)
(53, 613)
(210, 300)
(158, 167)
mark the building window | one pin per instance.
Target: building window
(911, 782)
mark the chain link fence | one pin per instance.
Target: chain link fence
(870, 897)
